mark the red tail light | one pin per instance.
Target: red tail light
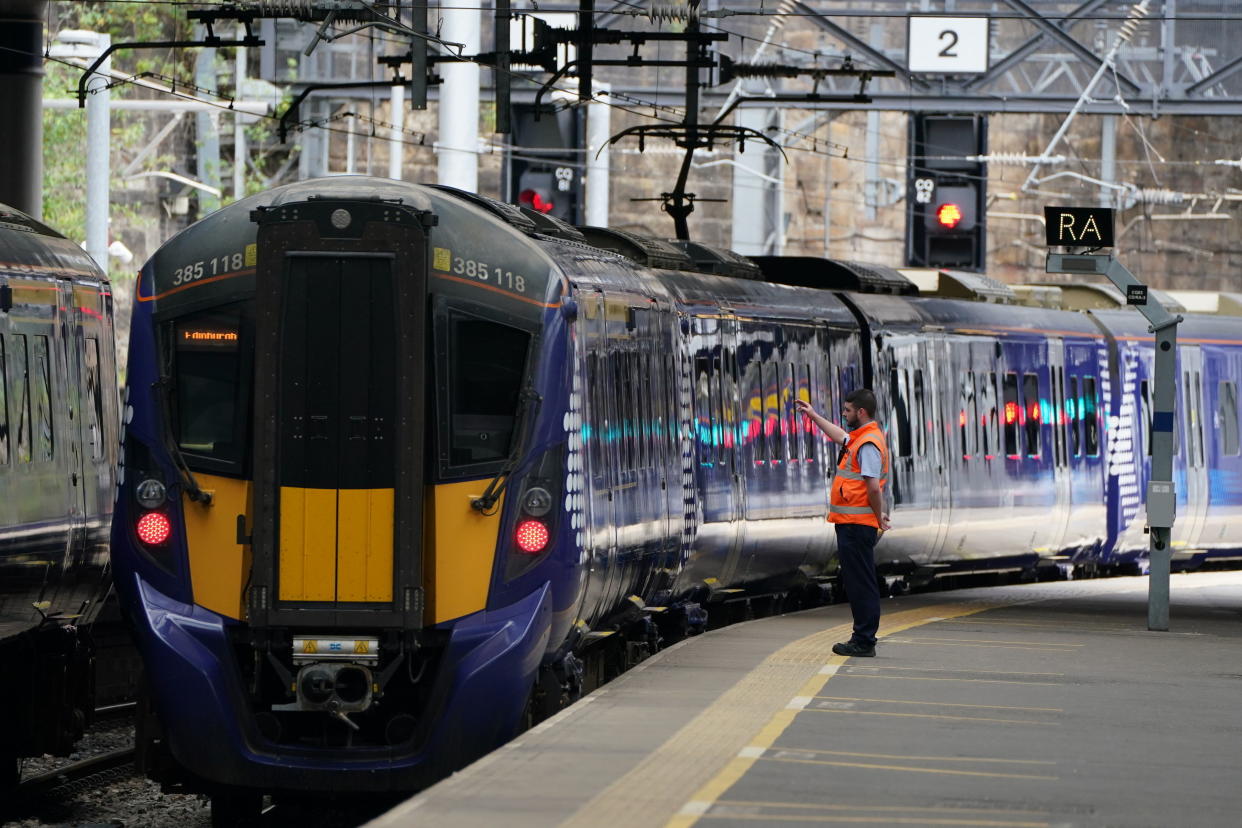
(532, 536)
(154, 528)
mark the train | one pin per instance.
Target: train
(405, 468)
(59, 445)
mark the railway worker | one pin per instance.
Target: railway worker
(856, 507)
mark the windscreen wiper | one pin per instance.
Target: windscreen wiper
(192, 489)
(487, 501)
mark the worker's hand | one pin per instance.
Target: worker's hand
(884, 524)
(804, 407)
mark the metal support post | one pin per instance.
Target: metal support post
(240, 150)
(21, 88)
(98, 171)
(1161, 497)
(207, 132)
(458, 145)
(396, 146)
(598, 162)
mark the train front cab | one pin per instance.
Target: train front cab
(372, 651)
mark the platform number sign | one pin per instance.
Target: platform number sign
(948, 45)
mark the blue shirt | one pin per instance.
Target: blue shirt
(869, 460)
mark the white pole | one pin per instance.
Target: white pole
(458, 163)
(396, 147)
(599, 130)
(239, 129)
(98, 132)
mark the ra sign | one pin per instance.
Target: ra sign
(1079, 226)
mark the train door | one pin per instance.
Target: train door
(1190, 523)
(600, 448)
(1222, 368)
(732, 442)
(666, 443)
(67, 362)
(1057, 422)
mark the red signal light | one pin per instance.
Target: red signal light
(949, 215)
(154, 528)
(532, 536)
(535, 201)
(1011, 413)
(1035, 411)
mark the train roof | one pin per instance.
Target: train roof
(963, 316)
(473, 235)
(28, 246)
(1195, 328)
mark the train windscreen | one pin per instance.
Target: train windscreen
(208, 387)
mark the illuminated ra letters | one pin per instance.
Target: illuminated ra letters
(1090, 231)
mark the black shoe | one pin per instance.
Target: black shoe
(849, 648)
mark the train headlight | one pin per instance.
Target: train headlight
(537, 502)
(150, 493)
(532, 536)
(154, 528)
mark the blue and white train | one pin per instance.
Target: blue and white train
(400, 460)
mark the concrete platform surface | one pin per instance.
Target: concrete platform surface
(1040, 705)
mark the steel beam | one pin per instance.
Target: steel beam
(1082, 52)
(1001, 67)
(859, 46)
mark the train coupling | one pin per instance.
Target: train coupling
(334, 675)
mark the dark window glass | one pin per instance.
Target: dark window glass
(487, 366)
(1227, 411)
(966, 423)
(808, 427)
(1145, 412)
(703, 407)
(1013, 414)
(4, 407)
(19, 398)
(1090, 418)
(922, 423)
(1197, 410)
(94, 399)
(207, 365)
(901, 411)
(1034, 413)
(1075, 415)
(41, 399)
(789, 426)
(593, 434)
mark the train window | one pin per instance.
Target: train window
(646, 430)
(208, 384)
(41, 399)
(966, 422)
(922, 419)
(1013, 414)
(808, 427)
(19, 385)
(1090, 418)
(703, 408)
(1198, 415)
(789, 423)
(1228, 414)
(94, 396)
(901, 412)
(1034, 411)
(4, 408)
(1073, 404)
(487, 366)
(593, 432)
(771, 413)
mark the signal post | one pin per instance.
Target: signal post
(1092, 227)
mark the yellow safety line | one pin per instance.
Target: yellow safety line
(832, 806)
(854, 667)
(890, 820)
(928, 716)
(918, 641)
(962, 680)
(909, 768)
(991, 641)
(945, 704)
(767, 736)
(918, 758)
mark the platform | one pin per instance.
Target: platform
(1039, 705)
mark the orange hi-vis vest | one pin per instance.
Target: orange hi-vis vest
(847, 502)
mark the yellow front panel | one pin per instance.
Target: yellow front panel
(461, 549)
(307, 544)
(364, 545)
(218, 564)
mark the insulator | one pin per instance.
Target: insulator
(1158, 196)
(673, 12)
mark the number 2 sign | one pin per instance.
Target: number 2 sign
(948, 45)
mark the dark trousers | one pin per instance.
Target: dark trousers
(856, 552)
